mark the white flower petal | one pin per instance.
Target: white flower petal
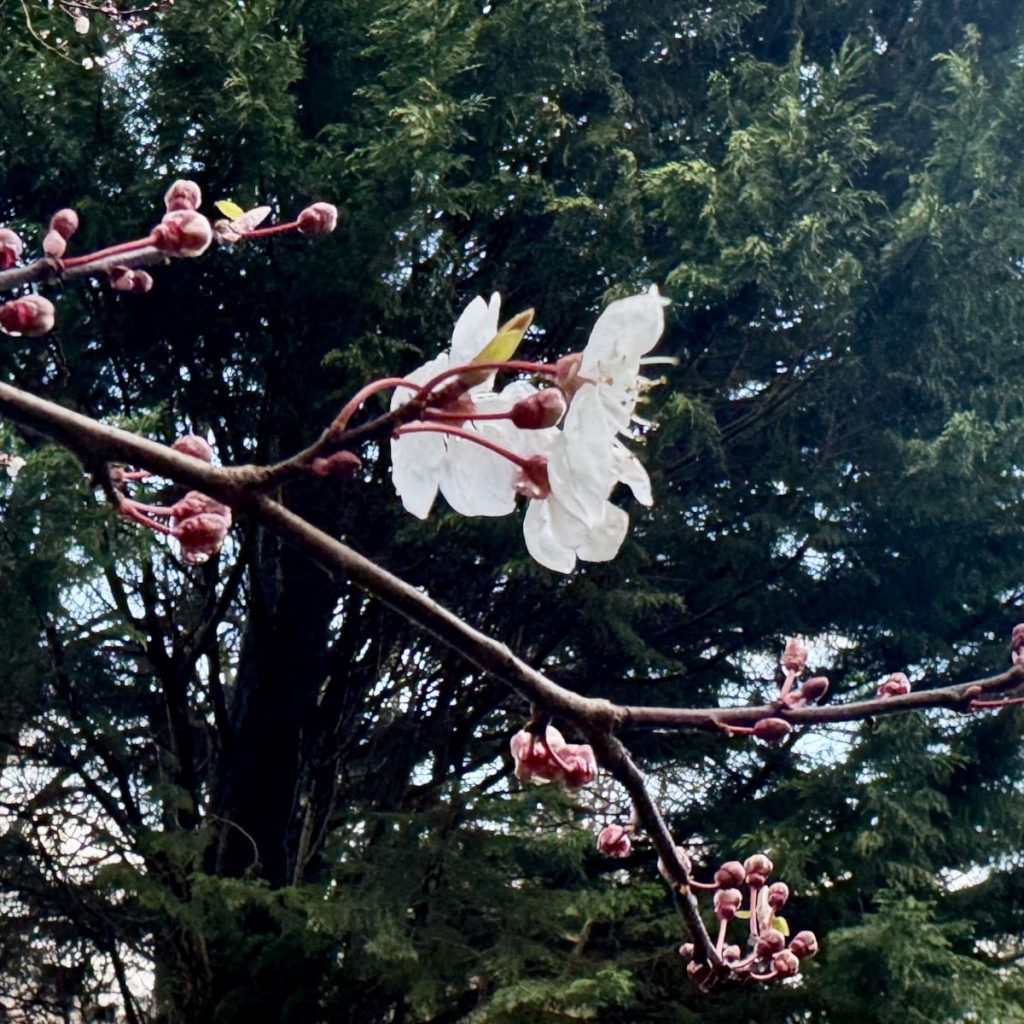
(630, 471)
(474, 329)
(476, 481)
(605, 538)
(416, 461)
(628, 327)
(542, 544)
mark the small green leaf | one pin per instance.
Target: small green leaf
(743, 915)
(504, 344)
(229, 209)
(780, 925)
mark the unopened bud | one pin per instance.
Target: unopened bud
(532, 480)
(896, 685)
(686, 950)
(194, 445)
(11, 248)
(613, 841)
(804, 944)
(142, 282)
(778, 893)
(814, 689)
(785, 963)
(794, 655)
(727, 902)
(341, 464)
(54, 244)
(758, 867)
(202, 536)
(183, 195)
(1017, 644)
(730, 875)
(567, 373)
(318, 219)
(122, 279)
(65, 223)
(771, 729)
(183, 233)
(543, 409)
(731, 953)
(32, 316)
(769, 943)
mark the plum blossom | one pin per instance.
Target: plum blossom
(474, 480)
(548, 758)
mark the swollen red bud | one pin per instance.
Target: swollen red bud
(686, 950)
(183, 233)
(814, 689)
(341, 464)
(804, 944)
(65, 223)
(200, 523)
(11, 248)
(194, 445)
(318, 219)
(54, 244)
(785, 963)
(141, 282)
(543, 409)
(794, 655)
(32, 316)
(122, 279)
(730, 875)
(769, 943)
(778, 893)
(727, 902)
(757, 867)
(731, 953)
(183, 195)
(896, 685)
(613, 841)
(567, 373)
(771, 729)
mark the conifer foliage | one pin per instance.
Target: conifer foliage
(237, 787)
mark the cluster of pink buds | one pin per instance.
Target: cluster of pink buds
(11, 248)
(63, 224)
(767, 956)
(894, 685)
(31, 316)
(547, 757)
(614, 841)
(794, 663)
(198, 522)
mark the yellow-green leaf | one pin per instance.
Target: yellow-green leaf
(229, 209)
(504, 344)
(780, 925)
(743, 915)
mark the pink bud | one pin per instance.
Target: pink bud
(54, 244)
(318, 219)
(727, 902)
(183, 195)
(684, 858)
(200, 523)
(613, 841)
(771, 729)
(814, 689)
(32, 316)
(785, 964)
(183, 233)
(552, 759)
(65, 223)
(731, 953)
(730, 875)
(532, 480)
(758, 867)
(341, 464)
(769, 943)
(122, 279)
(567, 373)
(896, 685)
(194, 445)
(794, 655)
(142, 282)
(686, 950)
(543, 409)
(778, 893)
(804, 944)
(11, 248)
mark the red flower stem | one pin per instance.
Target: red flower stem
(440, 415)
(764, 977)
(754, 927)
(703, 885)
(996, 703)
(439, 428)
(274, 229)
(341, 420)
(135, 474)
(112, 250)
(153, 510)
(723, 924)
(512, 364)
(129, 510)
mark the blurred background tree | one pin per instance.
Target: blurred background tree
(246, 791)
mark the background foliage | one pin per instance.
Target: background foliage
(246, 791)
